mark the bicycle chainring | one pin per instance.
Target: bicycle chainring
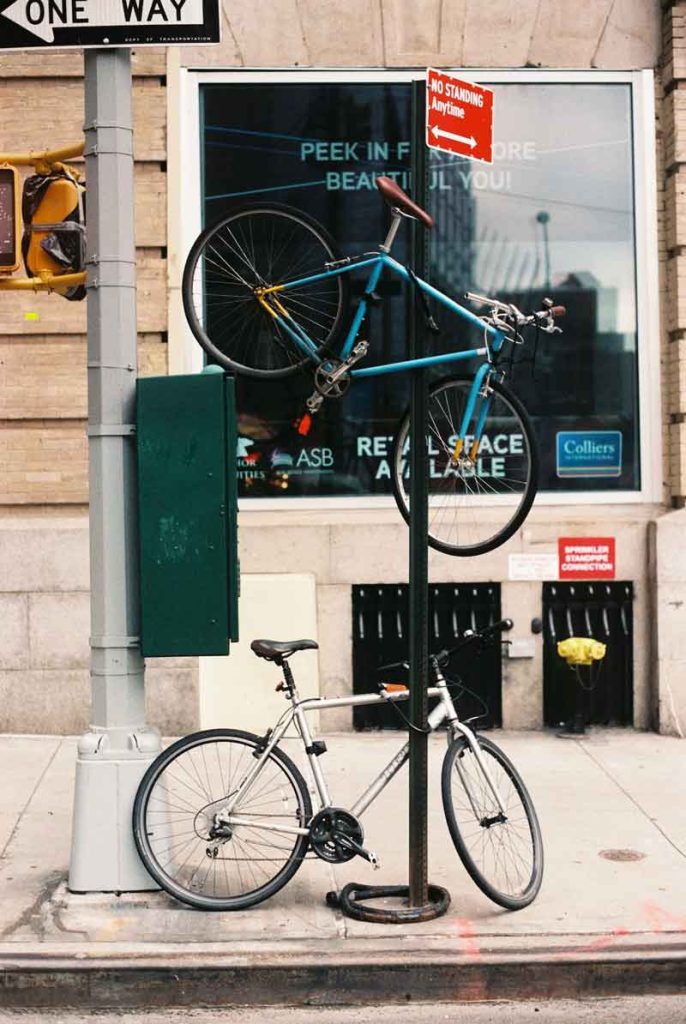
(323, 839)
(325, 385)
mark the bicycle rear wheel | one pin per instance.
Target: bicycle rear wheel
(503, 852)
(258, 247)
(174, 813)
(475, 504)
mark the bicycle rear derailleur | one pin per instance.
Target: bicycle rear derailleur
(336, 836)
(332, 377)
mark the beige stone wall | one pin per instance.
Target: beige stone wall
(674, 163)
(607, 34)
(668, 562)
(44, 631)
(43, 450)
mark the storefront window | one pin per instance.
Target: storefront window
(553, 215)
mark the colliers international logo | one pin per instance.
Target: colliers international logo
(590, 453)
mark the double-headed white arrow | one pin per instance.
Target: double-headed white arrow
(438, 133)
(41, 17)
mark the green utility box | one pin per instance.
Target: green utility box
(187, 507)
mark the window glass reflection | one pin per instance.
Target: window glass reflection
(552, 216)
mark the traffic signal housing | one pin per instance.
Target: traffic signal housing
(10, 219)
(54, 227)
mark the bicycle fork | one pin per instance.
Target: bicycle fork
(479, 388)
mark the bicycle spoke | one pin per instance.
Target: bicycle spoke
(188, 831)
(499, 845)
(474, 503)
(254, 249)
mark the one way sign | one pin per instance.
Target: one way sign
(25, 24)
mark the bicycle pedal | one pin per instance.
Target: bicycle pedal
(359, 352)
(314, 402)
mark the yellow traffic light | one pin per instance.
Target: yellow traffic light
(10, 219)
(54, 228)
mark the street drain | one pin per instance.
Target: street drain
(621, 855)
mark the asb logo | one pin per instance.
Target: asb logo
(589, 453)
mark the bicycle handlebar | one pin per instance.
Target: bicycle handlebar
(502, 311)
(503, 626)
(468, 637)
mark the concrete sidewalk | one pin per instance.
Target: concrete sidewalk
(611, 915)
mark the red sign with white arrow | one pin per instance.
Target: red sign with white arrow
(459, 116)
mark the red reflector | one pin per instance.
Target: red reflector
(304, 425)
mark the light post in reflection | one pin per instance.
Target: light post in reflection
(543, 218)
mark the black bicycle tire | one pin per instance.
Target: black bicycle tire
(149, 861)
(202, 338)
(528, 495)
(505, 900)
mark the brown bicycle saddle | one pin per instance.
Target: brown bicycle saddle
(394, 196)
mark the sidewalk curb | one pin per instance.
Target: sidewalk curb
(330, 980)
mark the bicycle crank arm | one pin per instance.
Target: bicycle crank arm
(327, 380)
(349, 844)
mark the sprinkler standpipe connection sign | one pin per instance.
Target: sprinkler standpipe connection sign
(586, 558)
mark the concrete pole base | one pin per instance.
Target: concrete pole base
(104, 857)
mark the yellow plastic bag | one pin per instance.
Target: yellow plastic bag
(581, 650)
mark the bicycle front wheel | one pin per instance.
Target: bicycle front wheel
(501, 850)
(477, 501)
(255, 248)
(175, 825)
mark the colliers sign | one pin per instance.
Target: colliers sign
(26, 24)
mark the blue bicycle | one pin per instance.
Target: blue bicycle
(267, 294)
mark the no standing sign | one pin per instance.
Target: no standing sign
(459, 116)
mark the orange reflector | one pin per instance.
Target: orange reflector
(394, 687)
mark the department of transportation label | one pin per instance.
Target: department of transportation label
(28, 23)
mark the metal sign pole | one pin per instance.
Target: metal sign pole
(114, 753)
(419, 901)
(419, 530)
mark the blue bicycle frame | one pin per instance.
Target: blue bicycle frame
(379, 262)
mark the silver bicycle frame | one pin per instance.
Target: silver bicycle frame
(444, 711)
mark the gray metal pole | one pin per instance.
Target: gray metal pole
(114, 753)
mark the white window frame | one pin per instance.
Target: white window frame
(184, 224)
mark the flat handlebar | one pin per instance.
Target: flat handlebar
(543, 318)
(468, 637)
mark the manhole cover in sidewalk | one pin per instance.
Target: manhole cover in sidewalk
(621, 854)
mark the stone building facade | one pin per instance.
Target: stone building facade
(44, 681)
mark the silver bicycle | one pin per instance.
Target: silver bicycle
(223, 818)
